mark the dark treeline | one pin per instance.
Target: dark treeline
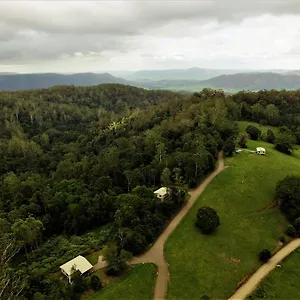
(276, 108)
(76, 158)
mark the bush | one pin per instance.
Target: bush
(228, 147)
(242, 139)
(270, 138)
(284, 142)
(291, 231)
(79, 283)
(192, 183)
(265, 255)
(253, 132)
(205, 297)
(288, 197)
(95, 283)
(116, 258)
(207, 220)
(283, 239)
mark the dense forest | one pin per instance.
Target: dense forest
(76, 158)
(78, 167)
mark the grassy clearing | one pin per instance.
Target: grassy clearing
(282, 283)
(137, 284)
(93, 257)
(263, 128)
(214, 265)
(194, 88)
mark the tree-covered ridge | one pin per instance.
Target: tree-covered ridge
(277, 108)
(75, 158)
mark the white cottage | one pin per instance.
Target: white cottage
(161, 193)
(261, 151)
(78, 263)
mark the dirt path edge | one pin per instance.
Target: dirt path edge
(156, 253)
(251, 284)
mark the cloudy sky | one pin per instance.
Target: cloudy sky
(97, 36)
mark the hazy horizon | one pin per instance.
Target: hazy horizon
(112, 72)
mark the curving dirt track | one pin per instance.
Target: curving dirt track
(156, 253)
(250, 285)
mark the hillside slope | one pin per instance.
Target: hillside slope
(254, 81)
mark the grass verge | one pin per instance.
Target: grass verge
(137, 284)
(282, 283)
(214, 265)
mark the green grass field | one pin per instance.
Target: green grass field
(263, 128)
(194, 88)
(214, 265)
(282, 283)
(137, 284)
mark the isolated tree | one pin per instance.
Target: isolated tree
(95, 283)
(265, 255)
(253, 132)
(284, 142)
(242, 139)
(287, 196)
(228, 147)
(207, 220)
(270, 137)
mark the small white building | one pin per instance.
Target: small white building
(261, 151)
(161, 193)
(78, 263)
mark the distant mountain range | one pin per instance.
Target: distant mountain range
(229, 82)
(45, 80)
(254, 81)
(175, 74)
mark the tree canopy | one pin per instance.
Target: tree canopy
(207, 220)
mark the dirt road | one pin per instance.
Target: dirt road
(156, 253)
(250, 285)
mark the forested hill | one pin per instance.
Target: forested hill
(254, 81)
(75, 158)
(45, 80)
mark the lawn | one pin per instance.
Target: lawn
(263, 128)
(93, 257)
(282, 283)
(194, 88)
(137, 284)
(214, 265)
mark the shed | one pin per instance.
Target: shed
(260, 151)
(80, 264)
(161, 193)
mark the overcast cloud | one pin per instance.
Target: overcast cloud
(81, 36)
